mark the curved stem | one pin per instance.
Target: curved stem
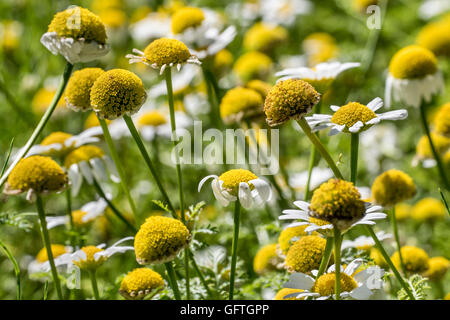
(397, 239)
(16, 268)
(48, 247)
(316, 142)
(337, 262)
(237, 207)
(326, 257)
(172, 280)
(41, 125)
(354, 156)
(93, 278)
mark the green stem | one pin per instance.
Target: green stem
(326, 257)
(316, 142)
(312, 161)
(16, 268)
(213, 98)
(354, 156)
(114, 209)
(389, 262)
(200, 275)
(237, 207)
(337, 262)
(436, 155)
(48, 247)
(93, 278)
(69, 215)
(41, 125)
(172, 280)
(397, 239)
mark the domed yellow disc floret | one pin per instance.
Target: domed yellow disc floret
(78, 91)
(351, 113)
(160, 239)
(319, 47)
(428, 209)
(164, 51)
(40, 174)
(58, 137)
(325, 284)
(442, 120)
(437, 269)
(266, 259)
(415, 259)
(83, 153)
(57, 250)
(117, 92)
(232, 178)
(78, 23)
(392, 187)
(436, 37)
(337, 200)
(263, 37)
(252, 65)
(289, 99)
(289, 236)
(413, 62)
(152, 118)
(77, 218)
(222, 61)
(139, 283)
(378, 258)
(441, 144)
(186, 17)
(90, 263)
(259, 86)
(305, 254)
(239, 103)
(285, 291)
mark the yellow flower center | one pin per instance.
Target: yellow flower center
(415, 259)
(319, 47)
(259, 86)
(266, 259)
(441, 143)
(232, 178)
(78, 23)
(166, 51)
(285, 291)
(378, 258)
(263, 37)
(57, 137)
(90, 263)
(83, 153)
(442, 120)
(428, 209)
(78, 91)
(252, 65)
(413, 62)
(240, 100)
(222, 61)
(392, 187)
(325, 284)
(437, 269)
(290, 235)
(305, 254)
(57, 250)
(351, 113)
(140, 282)
(187, 17)
(77, 218)
(152, 118)
(436, 37)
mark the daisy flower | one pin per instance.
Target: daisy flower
(154, 123)
(139, 283)
(77, 34)
(363, 242)
(239, 184)
(424, 154)
(359, 285)
(240, 104)
(354, 117)
(78, 91)
(393, 187)
(38, 267)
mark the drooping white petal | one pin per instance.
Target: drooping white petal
(86, 171)
(263, 188)
(352, 266)
(245, 195)
(200, 185)
(299, 280)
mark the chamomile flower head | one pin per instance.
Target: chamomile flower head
(78, 90)
(288, 236)
(392, 187)
(116, 93)
(239, 104)
(266, 259)
(281, 294)
(239, 184)
(259, 86)
(36, 174)
(428, 209)
(77, 34)
(187, 17)
(442, 120)
(437, 268)
(378, 258)
(424, 154)
(413, 76)
(289, 99)
(319, 47)
(36, 268)
(164, 53)
(364, 243)
(305, 254)
(159, 240)
(139, 283)
(252, 65)
(415, 259)
(264, 37)
(223, 60)
(436, 38)
(88, 162)
(354, 117)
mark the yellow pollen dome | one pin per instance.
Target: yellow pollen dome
(232, 178)
(139, 283)
(222, 61)
(351, 113)
(40, 174)
(259, 86)
(285, 291)
(77, 218)
(442, 120)
(289, 99)
(325, 284)
(378, 258)
(392, 187)
(319, 47)
(239, 103)
(336, 201)
(289, 236)
(186, 17)
(166, 51)
(160, 239)
(423, 148)
(92, 121)
(428, 209)
(117, 92)
(402, 211)
(90, 28)
(55, 137)
(252, 65)
(413, 62)
(83, 153)
(152, 118)
(437, 269)
(57, 250)
(305, 254)
(90, 263)
(416, 260)
(436, 37)
(266, 259)
(264, 37)
(78, 91)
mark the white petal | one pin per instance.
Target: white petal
(200, 185)
(299, 280)
(245, 196)
(86, 171)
